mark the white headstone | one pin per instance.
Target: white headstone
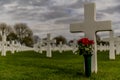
(4, 45)
(114, 41)
(100, 47)
(18, 46)
(36, 49)
(48, 49)
(39, 46)
(112, 47)
(111, 41)
(74, 46)
(13, 47)
(117, 47)
(60, 47)
(53, 45)
(90, 26)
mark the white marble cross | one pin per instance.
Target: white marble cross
(4, 45)
(13, 47)
(36, 49)
(67, 47)
(74, 46)
(18, 46)
(90, 26)
(117, 43)
(111, 41)
(60, 47)
(48, 49)
(99, 47)
(54, 45)
(40, 47)
(112, 46)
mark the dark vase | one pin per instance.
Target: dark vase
(87, 61)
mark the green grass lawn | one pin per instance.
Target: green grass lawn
(30, 65)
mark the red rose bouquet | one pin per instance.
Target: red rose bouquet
(85, 46)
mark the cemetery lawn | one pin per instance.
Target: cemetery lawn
(30, 65)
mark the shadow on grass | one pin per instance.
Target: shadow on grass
(32, 54)
(57, 70)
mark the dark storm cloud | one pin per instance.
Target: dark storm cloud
(76, 5)
(58, 11)
(36, 2)
(112, 9)
(34, 15)
(31, 10)
(43, 3)
(69, 20)
(54, 12)
(78, 18)
(99, 15)
(117, 1)
(2, 2)
(30, 16)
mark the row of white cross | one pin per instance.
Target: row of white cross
(39, 48)
(107, 48)
(7, 46)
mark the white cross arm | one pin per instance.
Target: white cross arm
(77, 27)
(103, 26)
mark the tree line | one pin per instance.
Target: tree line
(20, 32)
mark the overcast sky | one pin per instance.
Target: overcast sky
(54, 16)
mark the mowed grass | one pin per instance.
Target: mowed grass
(30, 65)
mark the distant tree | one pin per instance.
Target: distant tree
(12, 36)
(5, 29)
(70, 41)
(23, 32)
(28, 41)
(60, 39)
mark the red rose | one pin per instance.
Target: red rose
(85, 41)
(79, 41)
